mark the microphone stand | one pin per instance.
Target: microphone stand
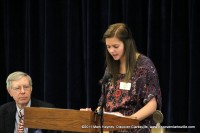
(103, 104)
(101, 112)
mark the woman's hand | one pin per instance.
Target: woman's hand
(85, 109)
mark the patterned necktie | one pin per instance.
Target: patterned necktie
(21, 122)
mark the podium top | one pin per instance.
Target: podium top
(73, 120)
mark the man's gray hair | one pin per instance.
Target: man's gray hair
(16, 76)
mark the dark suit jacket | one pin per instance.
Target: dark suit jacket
(8, 112)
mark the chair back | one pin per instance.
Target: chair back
(158, 118)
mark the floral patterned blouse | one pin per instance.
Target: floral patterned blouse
(144, 87)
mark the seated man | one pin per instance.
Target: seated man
(19, 87)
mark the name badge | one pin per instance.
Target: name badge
(125, 86)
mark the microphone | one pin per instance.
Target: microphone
(105, 78)
(103, 82)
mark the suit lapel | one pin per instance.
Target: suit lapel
(10, 118)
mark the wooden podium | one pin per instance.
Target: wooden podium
(73, 120)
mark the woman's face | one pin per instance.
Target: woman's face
(115, 47)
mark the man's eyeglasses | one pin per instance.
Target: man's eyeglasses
(19, 88)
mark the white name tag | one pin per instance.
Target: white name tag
(125, 86)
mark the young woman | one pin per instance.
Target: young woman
(133, 90)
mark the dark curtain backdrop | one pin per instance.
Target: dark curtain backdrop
(58, 42)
